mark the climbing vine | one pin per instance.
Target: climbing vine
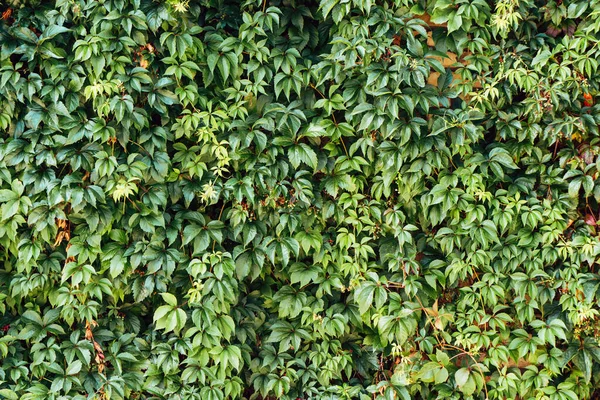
(285, 199)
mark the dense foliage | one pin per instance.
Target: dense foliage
(281, 199)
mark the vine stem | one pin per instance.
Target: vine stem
(218, 219)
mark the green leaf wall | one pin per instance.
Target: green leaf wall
(265, 199)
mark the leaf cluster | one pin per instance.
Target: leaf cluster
(283, 199)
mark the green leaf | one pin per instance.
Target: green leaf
(169, 299)
(541, 58)
(501, 156)
(577, 9)
(73, 368)
(462, 376)
(454, 22)
(8, 394)
(364, 295)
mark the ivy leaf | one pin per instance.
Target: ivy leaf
(8, 394)
(464, 381)
(169, 299)
(454, 22)
(541, 58)
(74, 368)
(364, 296)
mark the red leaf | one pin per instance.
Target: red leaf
(590, 219)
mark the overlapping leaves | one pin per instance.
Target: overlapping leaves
(299, 199)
